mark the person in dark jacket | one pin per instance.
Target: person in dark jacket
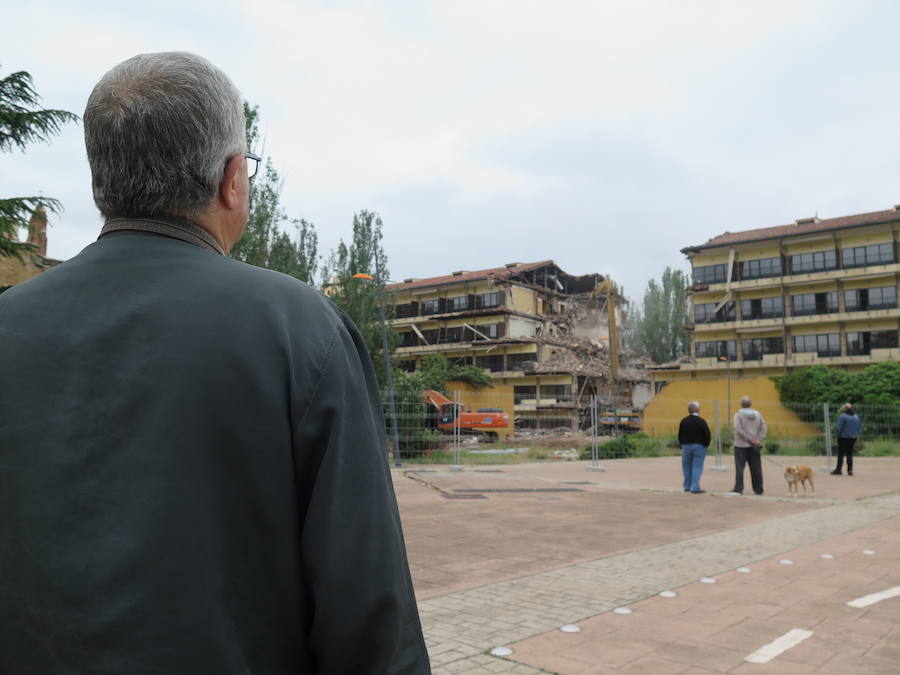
(195, 471)
(847, 429)
(694, 437)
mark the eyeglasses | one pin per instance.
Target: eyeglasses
(252, 166)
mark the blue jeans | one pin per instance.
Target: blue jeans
(692, 457)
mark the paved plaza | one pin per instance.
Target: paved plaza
(506, 555)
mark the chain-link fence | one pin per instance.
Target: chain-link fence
(473, 426)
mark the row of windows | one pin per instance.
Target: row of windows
(488, 331)
(825, 344)
(802, 263)
(803, 304)
(459, 303)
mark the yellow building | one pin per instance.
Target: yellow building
(771, 299)
(533, 327)
(814, 292)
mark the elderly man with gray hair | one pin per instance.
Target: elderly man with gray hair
(694, 437)
(749, 433)
(194, 459)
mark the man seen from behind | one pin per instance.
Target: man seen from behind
(694, 437)
(749, 433)
(194, 464)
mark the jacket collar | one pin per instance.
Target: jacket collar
(168, 226)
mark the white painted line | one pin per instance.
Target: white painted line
(868, 551)
(743, 570)
(779, 646)
(622, 610)
(501, 651)
(571, 628)
(668, 594)
(867, 600)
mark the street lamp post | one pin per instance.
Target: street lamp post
(727, 361)
(387, 358)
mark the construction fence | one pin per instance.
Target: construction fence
(484, 426)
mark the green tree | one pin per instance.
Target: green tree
(267, 241)
(22, 121)
(359, 297)
(878, 384)
(657, 327)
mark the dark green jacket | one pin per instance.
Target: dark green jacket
(193, 475)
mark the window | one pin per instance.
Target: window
(762, 308)
(561, 392)
(755, 348)
(524, 393)
(454, 334)
(493, 362)
(717, 349)
(705, 313)
(406, 310)
(520, 361)
(459, 303)
(761, 269)
(409, 339)
(814, 303)
(814, 262)
(710, 274)
(486, 300)
(861, 299)
(826, 344)
(860, 256)
(431, 306)
(864, 343)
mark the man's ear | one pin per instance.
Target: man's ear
(230, 186)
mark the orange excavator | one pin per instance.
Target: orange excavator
(451, 416)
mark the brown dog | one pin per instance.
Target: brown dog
(799, 474)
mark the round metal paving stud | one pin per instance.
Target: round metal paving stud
(827, 556)
(501, 651)
(668, 594)
(743, 570)
(570, 628)
(622, 610)
(868, 551)
(707, 580)
(785, 561)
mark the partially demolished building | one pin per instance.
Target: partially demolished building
(536, 329)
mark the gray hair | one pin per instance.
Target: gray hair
(159, 129)
(693, 407)
(746, 402)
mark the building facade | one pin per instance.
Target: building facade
(533, 327)
(815, 292)
(34, 258)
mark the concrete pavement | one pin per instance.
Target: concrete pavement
(529, 548)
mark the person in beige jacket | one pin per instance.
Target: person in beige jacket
(749, 433)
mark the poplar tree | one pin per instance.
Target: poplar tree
(272, 240)
(658, 326)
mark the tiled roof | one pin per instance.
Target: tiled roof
(804, 228)
(498, 273)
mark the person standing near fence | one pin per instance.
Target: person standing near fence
(846, 430)
(694, 437)
(749, 433)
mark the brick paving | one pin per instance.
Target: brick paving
(511, 569)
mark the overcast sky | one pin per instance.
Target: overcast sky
(603, 135)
